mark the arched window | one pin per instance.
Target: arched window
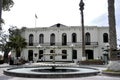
(105, 37)
(74, 38)
(41, 38)
(31, 38)
(87, 38)
(64, 39)
(52, 39)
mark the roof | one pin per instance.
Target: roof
(58, 25)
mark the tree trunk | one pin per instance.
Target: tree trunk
(0, 13)
(112, 28)
(114, 64)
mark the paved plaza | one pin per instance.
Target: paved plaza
(97, 77)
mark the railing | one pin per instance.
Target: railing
(79, 44)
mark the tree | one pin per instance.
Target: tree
(114, 64)
(112, 27)
(4, 45)
(17, 42)
(5, 5)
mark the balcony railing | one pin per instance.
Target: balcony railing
(79, 44)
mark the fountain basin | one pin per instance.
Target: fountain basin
(45, 72)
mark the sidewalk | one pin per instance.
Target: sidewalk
(4, 65)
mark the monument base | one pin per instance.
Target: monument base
(114, 65)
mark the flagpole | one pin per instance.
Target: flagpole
(35, 29)
(35, 20)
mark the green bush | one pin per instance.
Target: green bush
(91, 62)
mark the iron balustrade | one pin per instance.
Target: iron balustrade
(79, 44)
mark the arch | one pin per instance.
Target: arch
(41, 38)
(87, 38)
(64, 39)
(105, 37)
(31, 39)
(52, 39)
(74, 37)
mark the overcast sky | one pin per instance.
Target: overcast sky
(50, 12)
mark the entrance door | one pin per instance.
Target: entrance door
(74, 54)
(40, 54)
(30, 55)
(89, 54)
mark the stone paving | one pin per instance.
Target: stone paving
(97, 77)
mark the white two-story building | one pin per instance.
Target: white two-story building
(66, 40)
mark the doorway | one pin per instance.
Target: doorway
(89, 54)
(30, 55)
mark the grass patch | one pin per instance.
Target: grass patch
(111, 71)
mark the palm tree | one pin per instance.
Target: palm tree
(17, 43)
(112, 32)
(112, 27)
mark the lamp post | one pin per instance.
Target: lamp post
(72, 45)
(81, 5)
(36, 54)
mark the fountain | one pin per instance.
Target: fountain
(50, 70)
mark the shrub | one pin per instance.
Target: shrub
(91, 62)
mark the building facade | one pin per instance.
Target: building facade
(64, 40)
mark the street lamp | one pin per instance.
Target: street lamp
(72, 45)
(81, 5)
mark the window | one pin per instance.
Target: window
(64, 39)
(31, 37)
(64, 52)
(41, 38)
(74, 38)
(105, 37)
(74, 54)
(30, 55)
(52, 39)
(40, 54)
(87, 38)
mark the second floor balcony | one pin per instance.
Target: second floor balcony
(68, 44)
